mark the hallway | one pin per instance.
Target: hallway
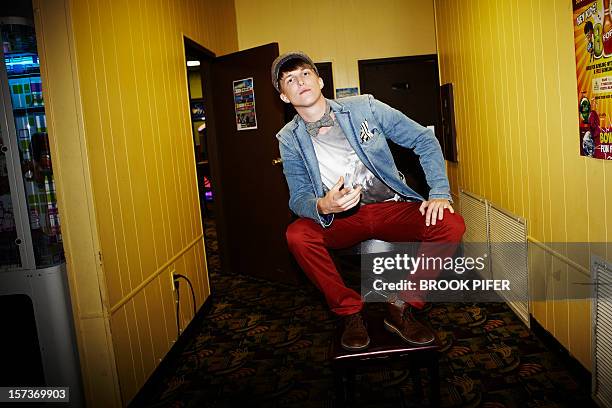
(266, 344)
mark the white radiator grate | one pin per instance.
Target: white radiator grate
(601, 349)
(505, 237)
(476, 238)
(508, 244)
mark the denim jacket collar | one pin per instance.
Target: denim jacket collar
(335, 107)
(308, 153)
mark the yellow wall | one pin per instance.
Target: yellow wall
(121, 139)
(339, 31)
(118, 114)
(512, 67)
(513, 71)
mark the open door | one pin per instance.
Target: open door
(252, 195)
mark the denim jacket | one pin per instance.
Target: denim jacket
(367, 124)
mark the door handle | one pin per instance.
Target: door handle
(400, 86)
(277, 161)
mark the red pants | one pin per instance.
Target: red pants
(389, 221)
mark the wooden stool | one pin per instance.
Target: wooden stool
(385, 349)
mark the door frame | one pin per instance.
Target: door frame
(207, 58)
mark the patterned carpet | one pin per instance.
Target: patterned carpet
(267, 344)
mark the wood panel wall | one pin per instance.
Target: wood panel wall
(513, 71)
(115, 85)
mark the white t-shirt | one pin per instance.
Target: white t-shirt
(337, 158)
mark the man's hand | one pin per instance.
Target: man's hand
(435, 210)
(337, 200)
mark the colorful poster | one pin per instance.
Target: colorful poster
(593, 45)
(344, 92)
(244, 104)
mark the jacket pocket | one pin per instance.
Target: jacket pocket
(370, 138)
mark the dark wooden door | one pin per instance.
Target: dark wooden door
(411, 85)
(252, 200)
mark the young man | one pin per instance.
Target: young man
(345, 187)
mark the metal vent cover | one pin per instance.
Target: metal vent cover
(474, 212)
(601, 349)
(508, 245)
(505, 238)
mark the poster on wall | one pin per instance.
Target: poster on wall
(244, 104)
(344, 92)
(593, 47)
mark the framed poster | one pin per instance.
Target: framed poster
(344, 92)
(244, 104)
(197, 109)
(593, 49)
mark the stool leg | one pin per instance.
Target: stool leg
(340, 388)
(415, 374)
(351, 378)
(344, 380)
(434, 385)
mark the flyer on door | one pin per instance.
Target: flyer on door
(244, 104)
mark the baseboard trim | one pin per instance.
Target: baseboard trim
(172, 355)
(575, 368)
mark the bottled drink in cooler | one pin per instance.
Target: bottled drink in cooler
(34, 217)
(52, 220)
(36, 90)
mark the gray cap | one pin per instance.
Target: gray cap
(281, 59)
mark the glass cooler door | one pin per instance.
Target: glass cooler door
(10, 257)
(27, 130)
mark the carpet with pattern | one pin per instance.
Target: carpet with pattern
(267, 344)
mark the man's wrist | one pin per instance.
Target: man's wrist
(320, 207)
(439, 196)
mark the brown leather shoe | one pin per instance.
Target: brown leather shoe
(404, 325)
(355, 336)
